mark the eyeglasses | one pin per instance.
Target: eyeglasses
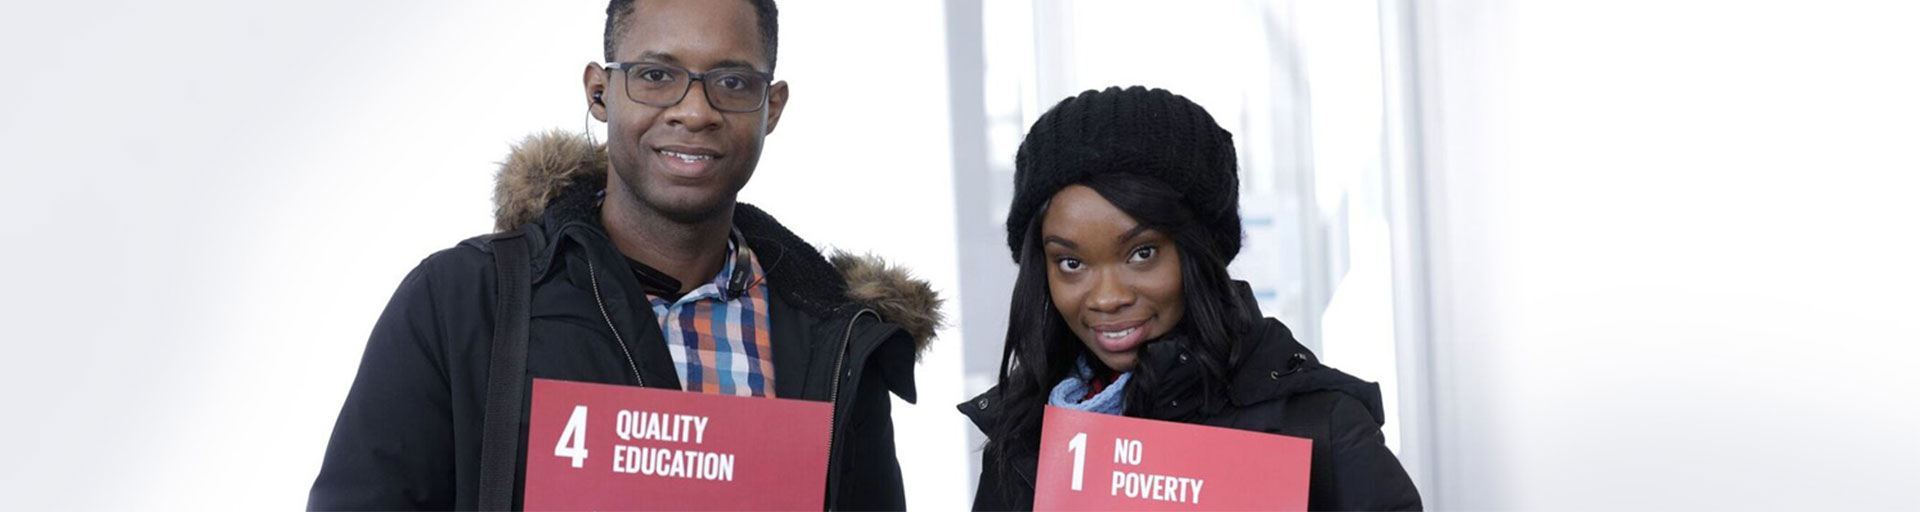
(664, 85)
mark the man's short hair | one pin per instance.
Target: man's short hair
(769, 15)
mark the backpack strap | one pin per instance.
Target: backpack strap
(506, 375)
(1311, 415)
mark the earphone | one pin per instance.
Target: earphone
(586, 123)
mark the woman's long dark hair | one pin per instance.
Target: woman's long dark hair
(1040, 350)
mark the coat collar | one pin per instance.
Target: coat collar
(552, 180)
(1272, 365)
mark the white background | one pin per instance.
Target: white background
(1677, 255)
(1673, 242)
(210, 202)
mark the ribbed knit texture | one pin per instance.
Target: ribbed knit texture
(1148, 132)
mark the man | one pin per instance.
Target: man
(639, 255)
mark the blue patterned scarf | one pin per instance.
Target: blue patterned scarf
(1069, 391)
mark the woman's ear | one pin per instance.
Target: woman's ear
(594, 80)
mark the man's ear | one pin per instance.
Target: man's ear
(776, 103)
(594, 78)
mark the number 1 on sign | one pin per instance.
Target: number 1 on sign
(573, 439)
(1078, 445)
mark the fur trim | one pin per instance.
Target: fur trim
(537, 170)
(545, 165)
(893, 291)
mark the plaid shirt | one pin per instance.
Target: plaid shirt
(721, 345)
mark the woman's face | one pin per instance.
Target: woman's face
(1115, 282)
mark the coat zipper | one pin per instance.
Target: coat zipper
(594, 277)
(839, 364)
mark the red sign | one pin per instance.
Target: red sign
(1092, 461)
(604, 447)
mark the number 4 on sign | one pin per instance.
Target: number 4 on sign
(573, 439)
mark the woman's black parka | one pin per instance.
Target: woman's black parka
(1352, 469)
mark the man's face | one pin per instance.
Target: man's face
(687, 161)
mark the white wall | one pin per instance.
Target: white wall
(861, 162)
(1675, 254)
(1672, 243)
(209, 202)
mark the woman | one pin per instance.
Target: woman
(1125, 215)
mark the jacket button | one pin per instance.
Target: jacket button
(1183, 357)
(1176, 403)
(983, 403)
(1275, 375)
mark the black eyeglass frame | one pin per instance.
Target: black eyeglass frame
(627, 68)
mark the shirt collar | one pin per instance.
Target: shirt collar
(733, 278)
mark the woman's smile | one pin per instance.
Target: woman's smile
(1115, 282)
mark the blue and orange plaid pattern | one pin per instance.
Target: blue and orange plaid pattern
(721, 346)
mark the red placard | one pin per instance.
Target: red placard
(1092, 461)
(604, 447)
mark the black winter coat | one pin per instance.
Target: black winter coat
(1351, 468)
(408, 437)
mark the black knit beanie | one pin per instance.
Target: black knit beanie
(1147, 132)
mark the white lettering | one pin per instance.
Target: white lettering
(673, 463)
(1156, 487)
(658, 426)
(1126, 451)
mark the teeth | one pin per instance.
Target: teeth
(686, 157)
(1114, 335)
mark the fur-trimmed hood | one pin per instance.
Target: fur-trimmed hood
(547, 169)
